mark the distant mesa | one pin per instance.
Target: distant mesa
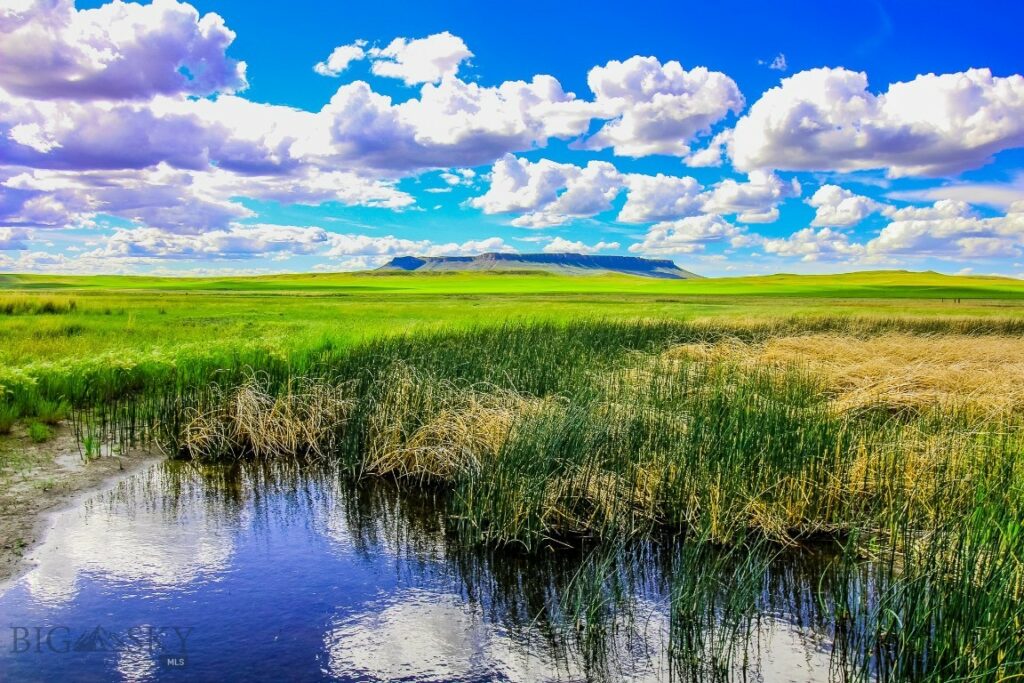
(563, 264)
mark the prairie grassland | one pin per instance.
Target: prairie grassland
(891, 428)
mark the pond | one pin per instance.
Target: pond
(282, 572)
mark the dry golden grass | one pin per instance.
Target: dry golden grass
(896, 371)
(304, 420)
(468, 427)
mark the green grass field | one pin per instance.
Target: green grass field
(866, 284)
(133, 315)
(879, 412)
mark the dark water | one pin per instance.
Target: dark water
(277, 573)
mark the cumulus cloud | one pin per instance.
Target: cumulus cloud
(657, 108)
(689, 235)
(548, 193)
(425, 60)
(340, 58)
(827, 119)
(840, 208)
(951, 229)
(755, 201)
(948, 229)
(453, 123)
(414, 61)
(560, 245)
(660, 198)
(809, 244)
(50, 49)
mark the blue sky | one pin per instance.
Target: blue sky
(731, 137)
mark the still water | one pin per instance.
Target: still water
(279, 573)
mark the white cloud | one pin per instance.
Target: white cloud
(548, 193)
(233, 242)
(689, 235)
(459, 176)
(49, 49)
(425, 60)
(660, 197)
(838, 207)
(940, 210)
(809, 244)
(951, 229)
(657, 108)
(755, 201)
(710, 156)
(827, 119)
(340, 59)
(140, 246)
(559, 245)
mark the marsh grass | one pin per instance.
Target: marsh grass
(901, 447)
(8, 418)
(39, 433)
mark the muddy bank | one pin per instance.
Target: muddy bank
(39, 478)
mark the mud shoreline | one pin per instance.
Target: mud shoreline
(38, 479)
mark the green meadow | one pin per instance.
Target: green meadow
(876, 413)
(144, 315)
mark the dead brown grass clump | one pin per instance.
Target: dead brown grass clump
(302, 421)
(467, 426)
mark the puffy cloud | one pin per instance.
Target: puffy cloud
(549, 193)
(560, 246)
(657, 108)
(660, 197)
(710, 156)
(809, 244)
(13, 239)
(689, 235)
(951, 229)
(425, 60)
(49, 49)
(940, 210)
(451, 124)
(826, 119)
(840, 208)
(340, 58)
(755, 201)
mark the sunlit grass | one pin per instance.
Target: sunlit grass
(553, 418)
